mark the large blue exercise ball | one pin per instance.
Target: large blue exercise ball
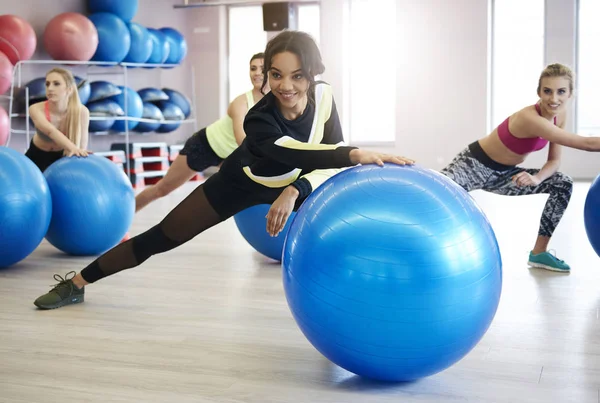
(177, 45)
(252, 224)
(393, 273)
(124, 9)
(134, 107)
(25, 206)
(141, 44)
(591, 215)
(114, 39)
(93, 205)
(160, 47)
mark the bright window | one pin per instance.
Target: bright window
(518, 55)
(588, 76)
(247, 37)
(369, 121)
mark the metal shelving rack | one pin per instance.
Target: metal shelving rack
(17, 73)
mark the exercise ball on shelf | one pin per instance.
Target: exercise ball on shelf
(124, 9)
(171, 112)
(114, 39)
(141, 44)
(150, 94)
(180, 100)
(134, 109)
(102, 89)
(160, 47)
(37, 93)
(177, 45)
(71, 36)
(6, 73)
(17, 38)
(150, 111)
(105, 109)
(84, 89)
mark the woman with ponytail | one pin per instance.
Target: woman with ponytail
(61, 122)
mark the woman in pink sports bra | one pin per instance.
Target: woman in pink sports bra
(491, 163)
(61, 122)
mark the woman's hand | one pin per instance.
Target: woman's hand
(280, 210)
(76, 152)
(525, 179)
(358, 156)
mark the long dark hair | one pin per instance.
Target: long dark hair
(302, 45)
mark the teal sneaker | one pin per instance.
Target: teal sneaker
(63, 293)
(548, 261)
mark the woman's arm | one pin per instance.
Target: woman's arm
(237, 112)
(85, 125)
(46, 127)
(535, 126)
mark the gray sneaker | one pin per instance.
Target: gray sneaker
(63, 293)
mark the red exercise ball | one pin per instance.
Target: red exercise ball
(71, 36)
(17, 38)
(3, 126)
(6, 72)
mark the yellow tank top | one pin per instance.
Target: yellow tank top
(220, 133)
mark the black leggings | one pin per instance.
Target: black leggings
(42, 159)
(219, 198)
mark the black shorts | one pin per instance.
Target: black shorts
(199, 153)
(43, 159)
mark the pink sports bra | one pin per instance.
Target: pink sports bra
(519, 145)
(47, 110)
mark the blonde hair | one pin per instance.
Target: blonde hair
(557, 70)
(73, 116)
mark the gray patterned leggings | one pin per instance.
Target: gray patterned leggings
(471, 174)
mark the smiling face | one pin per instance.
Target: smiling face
(56, 87)
(554, 94)
(289, 84)
(256, 73)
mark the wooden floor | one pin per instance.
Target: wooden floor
(209, 323)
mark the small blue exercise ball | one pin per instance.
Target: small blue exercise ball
(93, 205)
(177, 45)
(25, 206)
(160, 47)
(393, 273)
(141, 44)
(591, 215)
(252, 224)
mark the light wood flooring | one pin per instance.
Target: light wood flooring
(209, 323)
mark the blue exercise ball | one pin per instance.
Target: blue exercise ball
(84, 89)
(172, 113)
(102, 89)
(94, 204)
(114, 39)
(105, 109)
(177, 45)
(160, 47)
(252, 224)
(151, 94)
(393, 273)
(150, 111)
(124, 9)
(135, 108)
(141, 44)
(25, 206)
(180, 100)
(591, 215)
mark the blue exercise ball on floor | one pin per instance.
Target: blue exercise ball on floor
(393, 273)
(25, 206)
(114, 39)
(124, 9)
(252, 224)
(94, 204)
(591, 215)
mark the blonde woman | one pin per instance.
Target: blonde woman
(61, 122)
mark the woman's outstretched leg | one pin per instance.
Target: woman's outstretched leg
(191, 217)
